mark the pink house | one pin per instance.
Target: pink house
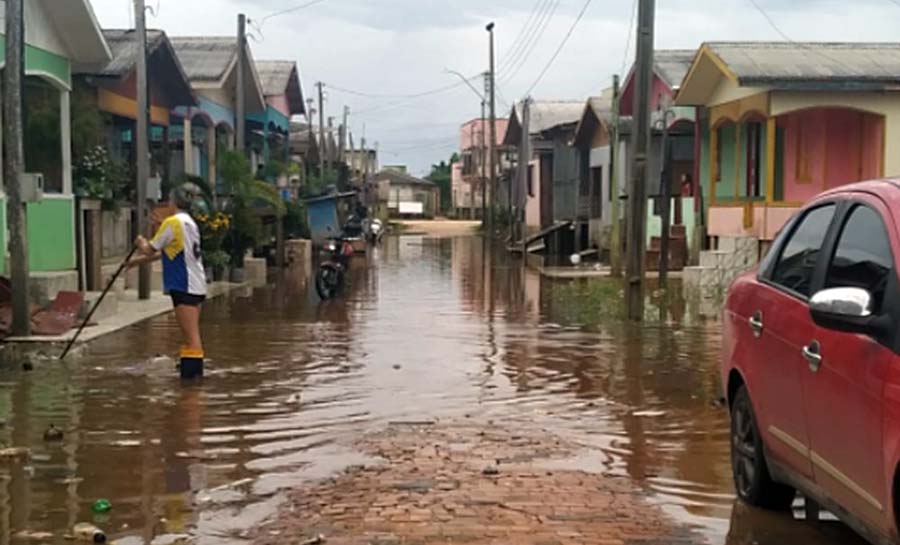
(786, 121)
(469, 174)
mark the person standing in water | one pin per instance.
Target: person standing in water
(177, 243)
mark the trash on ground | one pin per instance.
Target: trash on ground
(85, 531)
(649, 414)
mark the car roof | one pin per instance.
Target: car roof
(886, 188)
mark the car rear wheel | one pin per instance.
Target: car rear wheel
(752, 481)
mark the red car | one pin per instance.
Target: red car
(811, 362)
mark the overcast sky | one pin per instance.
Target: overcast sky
(392, 48)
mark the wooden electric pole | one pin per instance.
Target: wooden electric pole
(240, 110)
(322, 146)
(615, 193)
(14, 164)
(493, 143)
(142, 144)
(640, 134)
(484, 178)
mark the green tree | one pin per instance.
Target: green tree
(442, 176)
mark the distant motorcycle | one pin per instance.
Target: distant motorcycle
(373, 230)
(330, 276)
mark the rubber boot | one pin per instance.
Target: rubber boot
(191, 363)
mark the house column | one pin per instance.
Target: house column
(211, 148)
(738, 129)
(188, 145)
(65, 116)
(713, 163)
(771, 132)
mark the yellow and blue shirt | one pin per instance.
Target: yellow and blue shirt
(178, 239)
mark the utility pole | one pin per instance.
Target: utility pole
(14, 164)
(665, 183)
(615, 251)
(241, 106)
(484, 180)
(343, 135)
(525, 159)
(493, 143)
(322, 148)
(637, 197)
(142, 144)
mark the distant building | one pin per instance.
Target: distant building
(408, 196)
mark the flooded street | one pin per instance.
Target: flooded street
(431, 329)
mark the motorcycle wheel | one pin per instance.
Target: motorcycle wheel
(329, 281)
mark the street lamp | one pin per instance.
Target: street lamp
(483, 146)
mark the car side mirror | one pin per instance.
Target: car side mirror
(848, 310)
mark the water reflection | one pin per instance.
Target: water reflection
(430, 327)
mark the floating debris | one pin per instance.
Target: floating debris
(14, 453)
(490, 470)
(53, 434)
(101, 506)
(29, 535)
(649, 414)
(85, 531)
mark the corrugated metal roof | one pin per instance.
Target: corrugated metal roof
(546, 114)
(673, 64)
(400, 178)
(282, 77)
(124, 49)
(794, 62)
(274, 76)
(205, 58)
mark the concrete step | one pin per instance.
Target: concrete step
(738, 244)
(108, 307)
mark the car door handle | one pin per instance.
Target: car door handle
(813, 356)
(756, 324)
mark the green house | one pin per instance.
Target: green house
(59, 35)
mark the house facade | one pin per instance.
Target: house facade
(110, 92)
(473, 170)
(785, 121)
(408, 196)
(545, 182)
(198, 133)
(59, 36)
(781, 122)
(283, 93)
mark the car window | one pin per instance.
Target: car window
(862, 258)
(797, 262)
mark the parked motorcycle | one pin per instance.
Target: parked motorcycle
(330, 276)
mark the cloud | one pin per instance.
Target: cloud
(401, 47)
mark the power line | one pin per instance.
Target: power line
(435, 91)
(533, 24)
(289, 10)
(790, 40)
(560, 48)
(522, 33)
(534, 43)
(628, 39)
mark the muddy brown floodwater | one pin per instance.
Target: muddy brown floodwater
(431, 328)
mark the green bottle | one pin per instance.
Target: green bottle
(101, 506)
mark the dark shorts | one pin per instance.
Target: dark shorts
(180, 298)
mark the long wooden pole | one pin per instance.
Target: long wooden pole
(493, 144)
(615, 193)
(240, 107)
(14, 164)
(142, 136)
(637, 198)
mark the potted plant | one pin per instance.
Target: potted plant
(244, 197)
(213, 229)
(97, 176)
